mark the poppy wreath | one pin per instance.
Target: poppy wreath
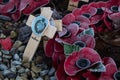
(73, 49)
(13, 9)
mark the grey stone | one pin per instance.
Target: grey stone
(51, 72)
(44, 72)
(17, 44)
(3, 67)
(5, 52)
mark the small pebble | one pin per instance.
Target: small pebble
(13, 34)
(17, 44)
(9, 56)
(53, 78)
(21, 70)
(39, 78)
(51, 72)
(16, 57)
(21, 48)
(3, 67)
(5, 51)
(44, 72)
(15, 63)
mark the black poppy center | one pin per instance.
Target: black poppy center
(5, 1)
(99, 23)
(117, 76)
(108, 19)
(77, 22)
(87, 15)
(67, 34)
(80, 44)
(83, 63)
(114, 8)
(13, 10)
(99, 11)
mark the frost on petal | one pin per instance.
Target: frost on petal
(35, 5)
(67, 19)
(70, 63)
(4, 8)
(89, 40)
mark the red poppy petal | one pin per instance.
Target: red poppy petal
(35, 5)
(58, 47)
(4, 8)
(90, 76)
(105, 78)
(76, 11)
(60, 73)
(67, 19)
(23, 4)
(70, 62)
(89, 40)
(73, 28)
(49, 49)
(6, 43)
(16, 16)
(95, 19)
(110, 70)
(82, 18)
(107, 60)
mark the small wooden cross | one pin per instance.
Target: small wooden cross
(72, 5)
(41, 27)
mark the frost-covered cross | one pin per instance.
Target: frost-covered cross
(40, 26)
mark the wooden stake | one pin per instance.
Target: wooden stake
(35, 39)
(72, 5)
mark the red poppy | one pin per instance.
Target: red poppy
(67, 19)
(81, 60)
(6, 43)
(33, 5)
(111, 68)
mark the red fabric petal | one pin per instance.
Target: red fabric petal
(67, 19)
(60, 73)
(6, 43)
(107, 60)
(58, 47)
(16, 16)
(23, 4)
(69, 64)
(4, 8)
(105, 78)
(73, 28)
(90, 76)
(82, 19)
(89, 40)
(110, 70)
(49, 49)
(33, 5)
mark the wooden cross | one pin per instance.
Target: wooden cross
(72, 5)
(41, 27)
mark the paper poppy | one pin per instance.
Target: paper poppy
(35, 5)
(80, 60)
(6, 43)
(111, 68)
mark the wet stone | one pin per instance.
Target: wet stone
(21, 48)
(24, 34)
(0, 53)
(39, 78)
(11, 75)
(16, 57)
(2, 35)
(5, 52)
(51, 72)
(53, 78)
(9, 56)
(47, 77)
(21, 70)
(15, 63)
(26, 65)
(17, 44)
(44, 72)
(13, 34)
(3, 67)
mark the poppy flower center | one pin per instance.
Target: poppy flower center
(5, 1)
(77, 22)
(13, 10)
(83, 63)
(114, 8)
(87, 15)
(108, 19)
(117, 75)
(80, 44)
(67, 34)
(99, 11)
